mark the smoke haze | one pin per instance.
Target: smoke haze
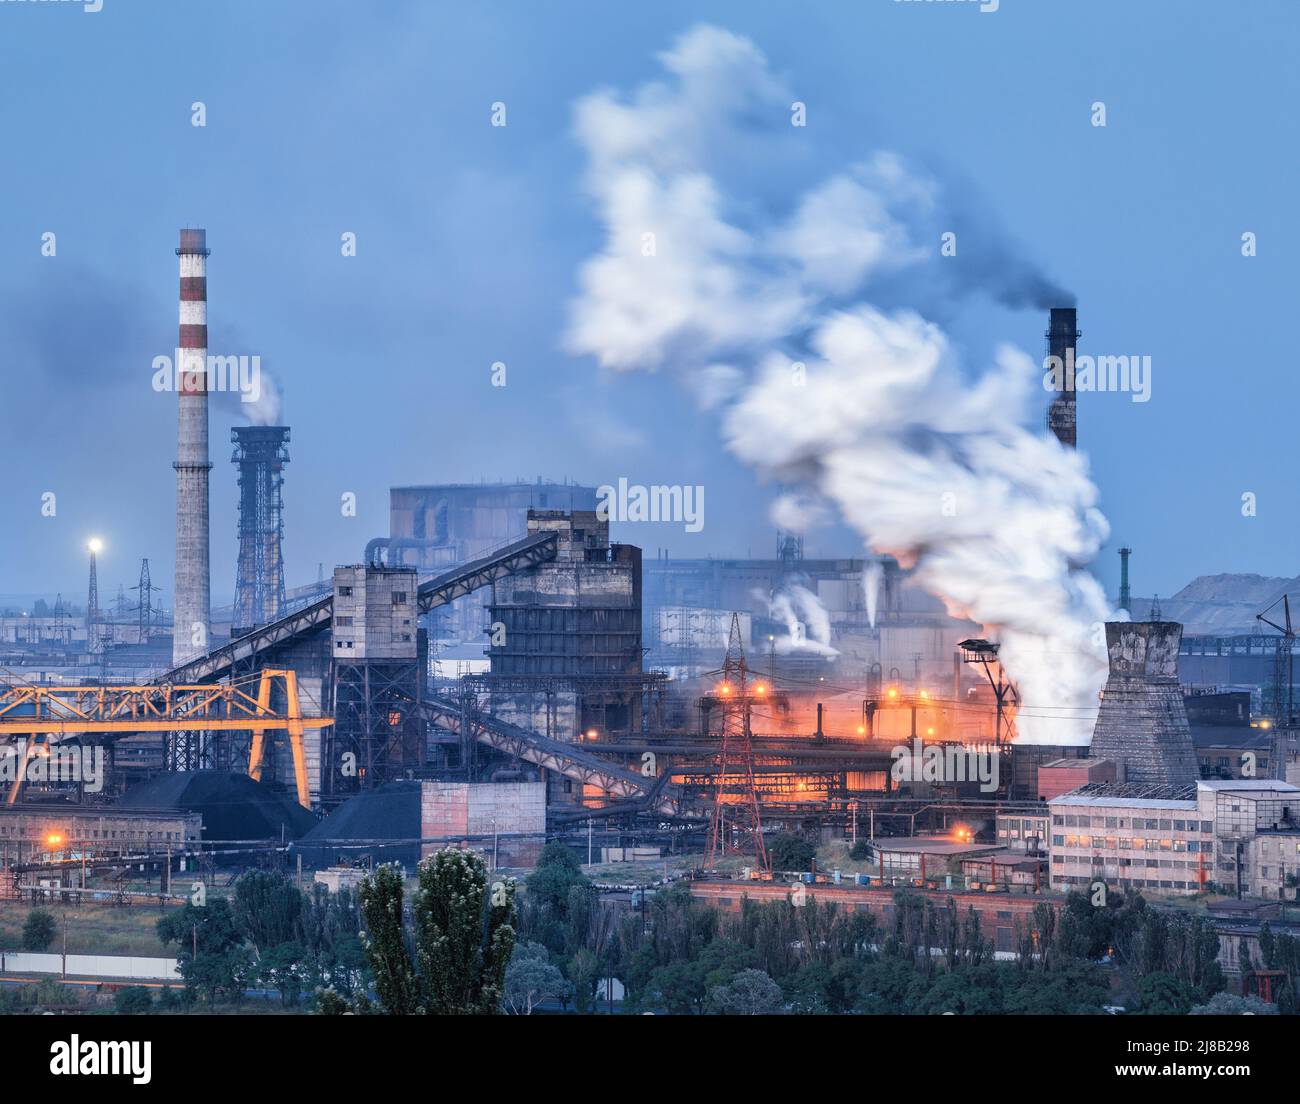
(864, 408)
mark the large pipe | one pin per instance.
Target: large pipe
(1062, 335)
(193, 595)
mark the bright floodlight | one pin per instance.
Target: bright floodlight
(95, 545)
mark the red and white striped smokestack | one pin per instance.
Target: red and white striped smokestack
(193, 598)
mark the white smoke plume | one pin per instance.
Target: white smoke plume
(807, 624)
(871, 577)
(865, 409)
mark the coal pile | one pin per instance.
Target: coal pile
(232, 805)
(388, 812)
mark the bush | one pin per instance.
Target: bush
(860, 851)
(132, 1000)
(790, 852)
(39, 930)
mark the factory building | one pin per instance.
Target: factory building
(565, 640)
(1169, 839)
(43, 833)
(433, 526)
(378, 677)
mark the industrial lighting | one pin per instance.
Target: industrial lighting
(53, 838)
(1265, 724)
(724, 689)
(929, 732)
(95, 545)
(925, 694)
(592, 734)
(892, 692)
(861, 731)
(760, 689)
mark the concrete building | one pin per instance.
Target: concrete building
(434, 526)
(37, 833)
(1018, 832)
(378, 679)
(1182, 839)
(1002, 915)
(1061, 776)
(508, 819)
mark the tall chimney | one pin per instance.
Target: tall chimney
(193, 599)
(1062, 333)
(1125, 598)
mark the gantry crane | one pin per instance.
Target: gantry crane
(50, 713)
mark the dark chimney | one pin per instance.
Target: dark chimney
(1062, 334)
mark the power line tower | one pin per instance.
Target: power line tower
(94, 641)
(144, 602)
(735, 788)
(1281, 703)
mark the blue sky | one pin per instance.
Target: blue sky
(374, 118)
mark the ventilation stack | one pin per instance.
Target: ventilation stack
(192, 616)
(1062, 336)
(260, 454)
(1142, 724)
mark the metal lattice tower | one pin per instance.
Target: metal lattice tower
(260, 453)
(735, 788)
(144, 602)
(94, 641)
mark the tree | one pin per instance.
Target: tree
(531, 979)
(267, 908)
(1225, 1004)
(39, 930)
(750, 993)
(385, 941)
(463, 935)
(132, 1000)
(462, 960)
(223, 964)
(282, 967)
(1162, 994)
(790, 852)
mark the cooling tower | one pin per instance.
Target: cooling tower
(1142, 723)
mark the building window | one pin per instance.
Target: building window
(399, 597)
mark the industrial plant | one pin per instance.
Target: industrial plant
(737, 598)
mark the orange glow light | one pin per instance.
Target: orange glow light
(892, 692)
(724, 690)
(53, 838)
(592, 734)
(760, 689)
(861, 731)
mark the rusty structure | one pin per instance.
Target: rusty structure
(260, 455)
